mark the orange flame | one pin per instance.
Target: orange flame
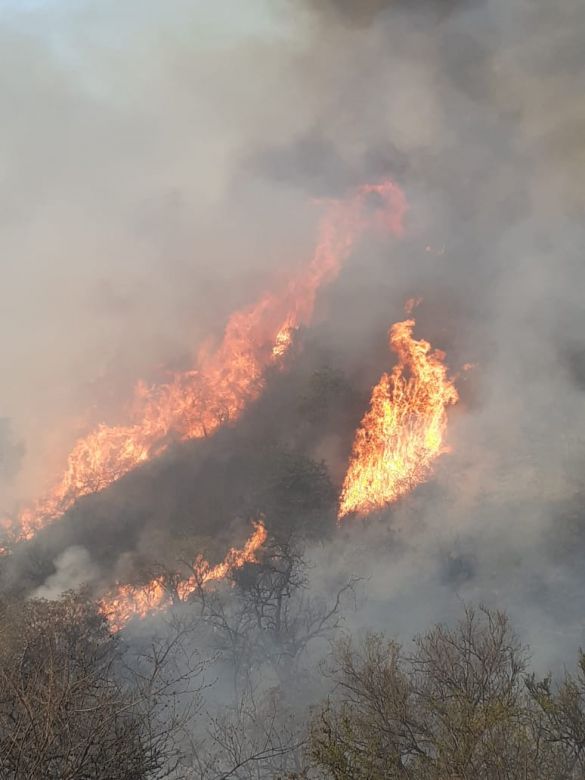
(129, 601)
(195, 403)
(402, 433)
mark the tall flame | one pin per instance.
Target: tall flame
(195, 403)
(402, 433)
(129, 601)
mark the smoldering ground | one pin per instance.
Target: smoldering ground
(160, 174)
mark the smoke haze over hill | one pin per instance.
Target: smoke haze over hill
(166, 164)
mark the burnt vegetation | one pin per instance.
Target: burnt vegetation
(268, 465)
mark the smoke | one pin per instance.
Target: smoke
(127, 239)
(73, 568)
(11, 452)
(476, 107)
(160, 166)
(363, 13)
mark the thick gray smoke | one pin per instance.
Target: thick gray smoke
(160, 161)
(481, 104)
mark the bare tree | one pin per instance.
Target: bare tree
(559, 720)
(262, 628)
(268, 617)
(76, 703)
(456, 708)
(259, 739)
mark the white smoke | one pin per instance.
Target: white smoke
(73, 568)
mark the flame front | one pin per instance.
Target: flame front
(129, 601)
(195, 403)
(402, 433)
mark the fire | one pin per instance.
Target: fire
(129, 601)
(402, 433)
(226, 379)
